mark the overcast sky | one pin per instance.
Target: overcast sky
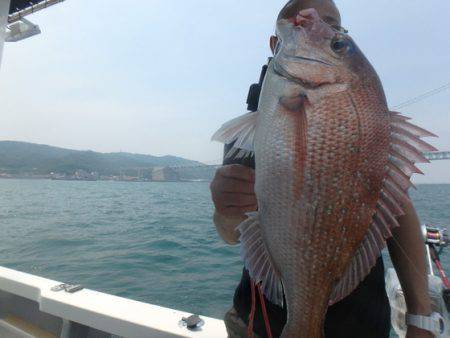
(160, 76)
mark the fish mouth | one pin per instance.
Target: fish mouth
(281, 71)
(304, 58)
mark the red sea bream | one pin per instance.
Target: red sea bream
(333, 167)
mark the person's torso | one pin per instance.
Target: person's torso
(365, 313)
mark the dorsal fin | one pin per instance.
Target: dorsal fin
(406, 151)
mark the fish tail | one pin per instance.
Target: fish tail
(306, 306)
(297, 329)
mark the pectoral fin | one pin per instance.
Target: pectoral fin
(240, 131)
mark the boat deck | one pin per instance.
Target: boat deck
(29, 308)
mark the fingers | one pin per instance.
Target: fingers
(232, 185)
(232, 190)
(307, 16)
(310, 13)
(234, 204)
(238, 200)
(238, 172)
(236, 211)
(234, 179)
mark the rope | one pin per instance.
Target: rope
(251, 318)
(264, 311)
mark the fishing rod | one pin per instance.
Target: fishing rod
(423, 96)
(436, 239)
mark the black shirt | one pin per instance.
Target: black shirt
(365, 313)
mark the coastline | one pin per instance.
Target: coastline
(133, 180)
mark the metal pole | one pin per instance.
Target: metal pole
(430, 264)
(4, 12)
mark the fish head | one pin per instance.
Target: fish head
(313, 53)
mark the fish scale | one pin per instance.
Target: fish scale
(333, 167)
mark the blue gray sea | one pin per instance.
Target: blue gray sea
(153, 242)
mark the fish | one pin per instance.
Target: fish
(333, 170)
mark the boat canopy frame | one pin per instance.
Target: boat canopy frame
(3, 21)
(20, 8)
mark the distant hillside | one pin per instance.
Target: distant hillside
(22, 157)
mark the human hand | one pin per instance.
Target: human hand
(232, 190)
(415, 332)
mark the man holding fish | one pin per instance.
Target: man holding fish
(303, 85)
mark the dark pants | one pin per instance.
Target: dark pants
(363, 314)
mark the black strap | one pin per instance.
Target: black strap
(255, 90)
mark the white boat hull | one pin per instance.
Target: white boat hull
(28, 303)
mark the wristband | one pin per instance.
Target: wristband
(433, 323)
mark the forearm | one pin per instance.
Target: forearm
(226, 227)
(408, 255)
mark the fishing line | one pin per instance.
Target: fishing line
(423, 96)
(413, 264)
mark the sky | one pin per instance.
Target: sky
(159, 77)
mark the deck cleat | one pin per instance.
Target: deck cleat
(193, 322)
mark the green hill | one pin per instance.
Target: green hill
(21, 158)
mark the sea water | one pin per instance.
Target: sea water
(153, 242)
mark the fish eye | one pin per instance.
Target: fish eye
(340, 45)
